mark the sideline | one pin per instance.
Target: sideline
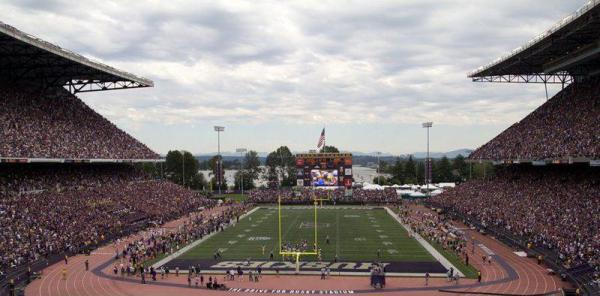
(197, 242)
(447, 264)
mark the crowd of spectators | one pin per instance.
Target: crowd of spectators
(565, 126)
(57, 218)
(434, 227)
(160, 241)
(56, 124)
(38, 177)
(555, 207)
(338, 195)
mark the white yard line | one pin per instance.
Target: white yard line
(195, 243)
(447, 264)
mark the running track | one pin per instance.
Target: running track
(508, 274)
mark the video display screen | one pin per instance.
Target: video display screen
(324, 177)
(324, 169)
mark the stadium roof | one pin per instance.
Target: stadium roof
(27, 58)
(568, 50)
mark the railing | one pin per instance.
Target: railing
(579, 276)
(565, 21)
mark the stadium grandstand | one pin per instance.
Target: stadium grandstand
(68, 179)
(545, 195)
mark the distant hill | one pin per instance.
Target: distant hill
(360, 158)
(449, 154)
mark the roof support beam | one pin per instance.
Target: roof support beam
(558, 78)
(573, 58)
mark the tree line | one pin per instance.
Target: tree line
(182, 167)
(412, 171)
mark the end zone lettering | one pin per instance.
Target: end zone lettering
(354, 266)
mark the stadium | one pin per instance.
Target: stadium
(83, 211)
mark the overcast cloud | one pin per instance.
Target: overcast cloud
(275, 72)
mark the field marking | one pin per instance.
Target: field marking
(259, 238)
(387, 243)
(441, 259)
(383, 236)
(197, 242)
(311, 225)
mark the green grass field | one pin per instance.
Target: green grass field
(237, 197)
(355, 234)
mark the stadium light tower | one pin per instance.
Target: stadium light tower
(378, 168)
(219, 129)
(241, 151)
(183, 168)
(428, 125)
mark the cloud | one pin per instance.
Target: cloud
(302, 62)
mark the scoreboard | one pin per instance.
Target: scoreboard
(324, 169)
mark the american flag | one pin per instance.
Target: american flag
(321, 139)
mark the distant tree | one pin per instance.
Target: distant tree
(383, 166)
(281, 166)
(460, 168)
(411, 172)
(173, 166)
(251, 166)
(420, 173)
(214, 186)
(180, 166)
(329, 149)
(442, 170)
(397, 172)
(247, 182)
(380, 180)
(198, 182)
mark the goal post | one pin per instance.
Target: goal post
(297, 254)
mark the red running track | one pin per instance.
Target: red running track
(518, 276)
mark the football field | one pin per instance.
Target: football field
(355, 234)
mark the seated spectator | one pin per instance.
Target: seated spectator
(56, 124)
(566, 126)
(555, 207)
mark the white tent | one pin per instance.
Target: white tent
(369, 186)
(402, 192)
(436, 192)
(431, 187)
(417, 194)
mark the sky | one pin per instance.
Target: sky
(276, 72)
